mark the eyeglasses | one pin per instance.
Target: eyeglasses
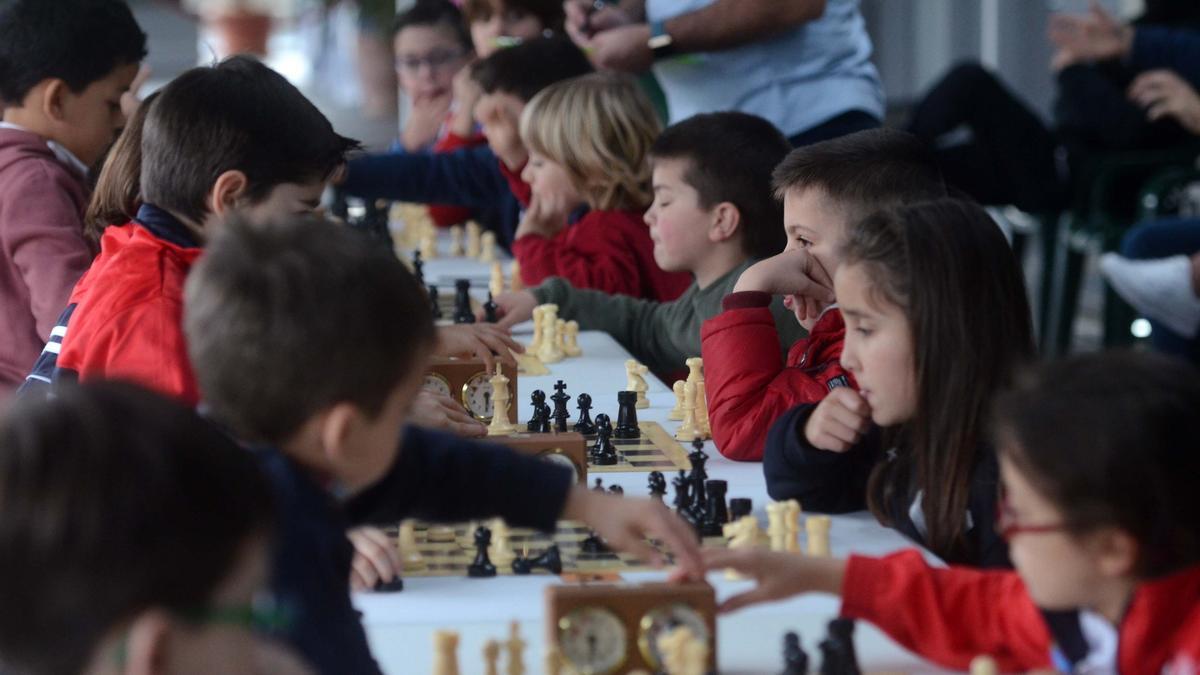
(437, 60)
(1006, 522)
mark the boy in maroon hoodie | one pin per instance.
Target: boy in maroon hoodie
(64, 67)
(825, 187)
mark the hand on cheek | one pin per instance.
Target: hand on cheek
(839, 421)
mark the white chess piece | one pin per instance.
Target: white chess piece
(702, 424)
(572, 340)
(677, 412)
(742, 533)
(516, 650)
(688, 431)
(516, 283)
(487, 244)
(473, 235)
(552, 662)
(791, 521)
(548, 351)
(560, 335)
(777, 530)
(445, 652)
(496, 284)
(539, 323)
(984, 665)
(407, 543)
(491, 657)
(818, 535)
(500, 424)
(456, 241)
(695, 367)
(501, 550)
(635, 382)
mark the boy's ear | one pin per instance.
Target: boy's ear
(53, 99)
(147, 644)
(229, 187)
(1117, 552)
(726, 219)
(336, 427)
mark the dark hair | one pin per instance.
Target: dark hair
(1113, 440)
(530, 67)
(115, 500)
(730, 157)
(865, 171)
(288, 318)
(77, 41)
(236, 115)
(948, 265)
(431, 13)
(549, 12)
(118, 191)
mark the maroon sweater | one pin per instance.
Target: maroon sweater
(42, 248)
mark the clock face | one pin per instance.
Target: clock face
(592, 640)
(556, 456)
(477, 396)
(437, 384)
(661, 620)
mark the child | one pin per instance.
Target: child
(63, 69)
(588, 139)
(824, 188)
(713, 214)
(1099, 460)
(311, 341)
(496, 23)
(936, 322)
(117, 195)
(432, 45)
(118, 553)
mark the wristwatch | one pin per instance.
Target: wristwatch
(661, 43)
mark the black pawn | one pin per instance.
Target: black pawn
(627, 421)
(683, 495)
(593, 545)
(394, 586)
(715, 513)
(418, 267)
(838, 655)
(491, 309)
(616, 490)
(657, 484)
(584, 425)
(435, 304)
(698, 477)
(561, 413)
(482, 567)
(550, 560)
(739, 507)
(539, 421)
(795, 660)
(598, 486)
(462, 302)
(604, 453)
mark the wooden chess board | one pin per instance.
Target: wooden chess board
(655, 450)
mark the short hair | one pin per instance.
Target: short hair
(433, 13)
(730, 157)
(599, 128)
(1113, 440)
(115, 501)
(285, 319)
(549, 12)
(527, 68)
(77, 41)
(236, 115)
(865, 171)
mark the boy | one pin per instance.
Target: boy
(312, 342)
(118, 553)
(712, 215)
(492, 21)
(431, 45)
(825, 187)
(483, 178)
(64, 67)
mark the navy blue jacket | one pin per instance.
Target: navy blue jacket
(436, 477)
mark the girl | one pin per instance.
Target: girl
(587, 140)
(1099, 461)
(936, 321)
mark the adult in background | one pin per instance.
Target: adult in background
(805, 65)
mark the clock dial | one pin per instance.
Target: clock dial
(556, 456)
(592, 640)
(437, 384)
(660, 620)
(477, 396)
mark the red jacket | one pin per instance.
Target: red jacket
(747, 386)
(608, 251)
(950, 616)
(444, 215)
(127, 319)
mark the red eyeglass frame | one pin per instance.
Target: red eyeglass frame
(1008, 526)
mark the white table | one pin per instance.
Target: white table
(401, 626)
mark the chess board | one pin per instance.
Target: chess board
(446, 301)
(655, 450)
(451, 558)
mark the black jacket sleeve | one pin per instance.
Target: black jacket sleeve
(468, 177)
(444, 478)
(822, 481)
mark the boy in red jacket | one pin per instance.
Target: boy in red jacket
(825, 187)
(1099, 458)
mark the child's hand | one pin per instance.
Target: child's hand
(375, 558)
(466, 96)
(425, 120)
(795, 274)
(839, 421)
(515, 308)
(483, 340)
(625, 523)
(438, 411)
(778, 575)
(1163, 93)
(546, 216)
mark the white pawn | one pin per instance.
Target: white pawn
(516, 650)
(572, 346)
(456, 241)
(818, 536)
(407, 543)
(560, 335)
(677, 412)
(500, 424)
(791, 521)
(702, 424)
(539, 323)
(496, 284)
(501, 551)
(688, 431)
(473, 236)
(487, 243)
(491, 657)
(445, 652)
(777, 530)
(548, 351)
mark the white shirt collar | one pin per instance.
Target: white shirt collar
(61, 153)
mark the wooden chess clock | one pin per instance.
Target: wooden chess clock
(567, 448)
(469, 382)
(614, 628)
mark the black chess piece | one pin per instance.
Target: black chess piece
(715, 513)
(394, 586)
(838, 656)
(418, 267)
(435, 303)
(604, 453)
(657, 484)
(462, 302)
(698, 478)
(598, 486)
(490, 309)
(585, 425)
(539, 421)
(795, 660)
(616, 490)
(561, 413)
(683, 495)
(550, 560)
(482, 567)
(740, 506)
(627, 421)
(593, 545)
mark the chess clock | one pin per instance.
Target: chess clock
(468, 381)
(568, 449)
(610, 628)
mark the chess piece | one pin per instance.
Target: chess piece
(435, 303)
(429, 245)
(496, 284)
(516, 283)
(487, 246)
(740, 506)
(742, 533)
(636, 382)
(795, 660)
(491, 657)
(516, 650)
(445, 652)
(482, 567)
(491, 310)
(394, 586)
(598, 485)
(561, 414)
(682, 652)
(837, 649)
(677, 412)
(462, 302)
(593, 544)
(539, 422)
(984, 665)
(818, 535)
(456, 241)
(683, 495)
(627, 421)
(548, 351)
(500, 426)
(560, 334)
(776, 528)
(715, 513)
(698, 475)
(410, 555)
(553, 662)
(418, 266)
(695, 367)
(500, 552)
(791, 523)
(702, 424)
(474, 232)
(688, 431)
(539, 314)
(603, 453)
(571, 346)
(616, 490)
(657, 484)
(550, 560)
(584, 425)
